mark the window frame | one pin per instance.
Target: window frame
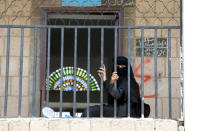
(43, 35)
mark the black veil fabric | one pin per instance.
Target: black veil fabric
(122, 100)
(123, 81)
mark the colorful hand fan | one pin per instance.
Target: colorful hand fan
(68, 80)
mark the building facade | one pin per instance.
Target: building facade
(103, 13)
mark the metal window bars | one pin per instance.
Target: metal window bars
(102, 28)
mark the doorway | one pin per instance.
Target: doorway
(78, 19)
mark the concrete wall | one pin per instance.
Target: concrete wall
(9, 17)
(28, 13)
(156, 13)
(38, 124)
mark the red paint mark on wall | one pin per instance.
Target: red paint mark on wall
(146, 77)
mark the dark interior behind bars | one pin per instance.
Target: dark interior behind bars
(95, 58)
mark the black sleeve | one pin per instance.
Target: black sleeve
(114, 92)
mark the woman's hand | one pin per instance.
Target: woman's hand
(102, 71)
(114, 77)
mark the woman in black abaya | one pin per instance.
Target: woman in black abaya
(120, 93)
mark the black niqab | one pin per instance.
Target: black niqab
(122, 103)
(123, 81)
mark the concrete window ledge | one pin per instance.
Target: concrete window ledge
(92, 124)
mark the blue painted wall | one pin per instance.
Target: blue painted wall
(81, 2)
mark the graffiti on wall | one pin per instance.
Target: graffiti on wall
(147, 77)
